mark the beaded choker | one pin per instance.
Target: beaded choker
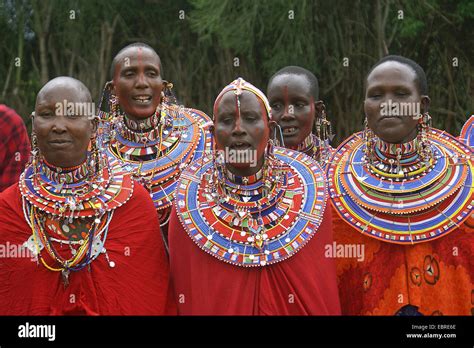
(311, 147)
(246, 180)
(145, 124)
(258, 223)
(397, 160)
(64, 175)
(394, 196)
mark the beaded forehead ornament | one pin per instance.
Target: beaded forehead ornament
(238, 86)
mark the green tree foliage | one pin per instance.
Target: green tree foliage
(204, 44)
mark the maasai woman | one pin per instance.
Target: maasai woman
(250, 222)
(151, 136)
(467, 132)
(293, 93)
(80, 236)
(403, 191)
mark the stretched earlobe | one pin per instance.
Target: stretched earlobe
(425, 103)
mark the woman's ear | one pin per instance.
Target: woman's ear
(319, 108)
(112, 87)
(425, 103)
(272, 126)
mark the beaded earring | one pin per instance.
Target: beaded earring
(323, 129)
(114, 106)
(93, 162)
(424, 144)
(34, 158)
(369, 139)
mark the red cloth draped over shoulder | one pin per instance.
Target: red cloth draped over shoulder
(429, 278)
(304, 284)
(137, 285)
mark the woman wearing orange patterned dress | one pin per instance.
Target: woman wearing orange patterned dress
(403, 192)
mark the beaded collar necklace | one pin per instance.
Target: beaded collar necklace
(156, 156)
(262, 222)
(390, 193)
(69, 211)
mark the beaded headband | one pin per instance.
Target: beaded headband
(239, 85)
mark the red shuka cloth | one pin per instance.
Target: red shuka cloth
(137, 285)
(304, 284)
(436, 277)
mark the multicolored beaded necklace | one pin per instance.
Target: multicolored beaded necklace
(392, 193)
(156, 150)
(69, 211)
(467, 132)
(253, 221)
(311, 146)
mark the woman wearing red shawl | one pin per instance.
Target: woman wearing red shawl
(250, 224)
(78, 236)
(403, 191)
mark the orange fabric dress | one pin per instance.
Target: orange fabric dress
(436, 277)
(410, 217)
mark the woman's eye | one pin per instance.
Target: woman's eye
(276, 106)
(402, 94)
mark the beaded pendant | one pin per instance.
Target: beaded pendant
(258, 223)
(420, 203)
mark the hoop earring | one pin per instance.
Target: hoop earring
(278, 142)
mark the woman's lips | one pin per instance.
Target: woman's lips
(142, 99)
(289, 131)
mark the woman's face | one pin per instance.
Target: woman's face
(137, 82)
(393, 102)
(293, 107)
(63, 136)
(242, 128)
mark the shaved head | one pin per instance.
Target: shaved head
(66, 83)
(124, 52)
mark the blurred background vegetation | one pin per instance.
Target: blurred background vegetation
(205, 44)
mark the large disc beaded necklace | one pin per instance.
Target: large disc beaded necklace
(156, 150)
(403, 193)
(467, 132)
(252, 221)
(69, 211)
